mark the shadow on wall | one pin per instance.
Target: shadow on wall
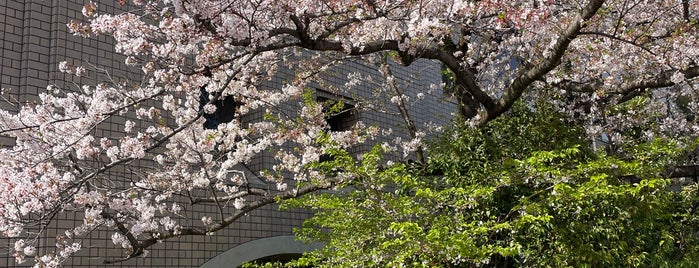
(277, 248)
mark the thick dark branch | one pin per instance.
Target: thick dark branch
(521, 83)
(365, 49)
(664, 79)
(581, 87)
(465, 79)
(136, 250)
(632, 89)
(321, 44)
(300, 28)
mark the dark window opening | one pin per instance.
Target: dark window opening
(339, 122)
(338, 113)
(225, 106)
(225, 109)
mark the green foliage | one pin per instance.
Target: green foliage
(524, 191)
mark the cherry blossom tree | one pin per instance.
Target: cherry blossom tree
(590, 57)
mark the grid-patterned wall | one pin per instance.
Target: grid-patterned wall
(34, 39)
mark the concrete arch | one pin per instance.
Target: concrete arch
(259, 249)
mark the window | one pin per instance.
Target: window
(339, 112)
(225, 109)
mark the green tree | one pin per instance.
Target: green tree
(527, 189)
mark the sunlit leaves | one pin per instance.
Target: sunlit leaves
(553, 205)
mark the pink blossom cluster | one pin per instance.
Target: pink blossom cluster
(589, 56)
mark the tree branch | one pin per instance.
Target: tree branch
(412, 130)
(613, 37)
(664, 79)
(139, 248)
(136, 250)
(581, 87)
(250, 191)
(465, 80)
(521, 83)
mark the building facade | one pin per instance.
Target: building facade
(33, 41)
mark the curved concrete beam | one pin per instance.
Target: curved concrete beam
(258, 249)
